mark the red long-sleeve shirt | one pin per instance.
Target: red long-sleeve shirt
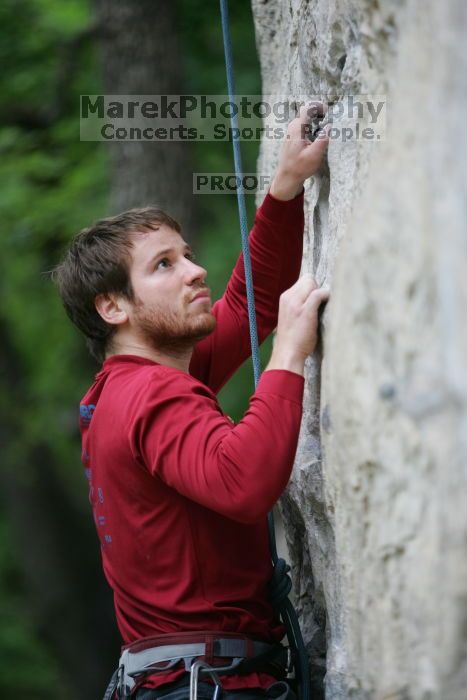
(179, 493)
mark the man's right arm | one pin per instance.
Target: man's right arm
(297, 326)
(181, 435)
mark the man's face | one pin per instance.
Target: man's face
(172, 308)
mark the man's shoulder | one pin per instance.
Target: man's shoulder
(161, 390)
(154, 380)
(132, 391)
(146, 376)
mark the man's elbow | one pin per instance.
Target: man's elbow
(249, 509)
(248, 497)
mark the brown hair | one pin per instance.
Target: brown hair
(98, 262)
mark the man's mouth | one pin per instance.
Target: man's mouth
(202, 295)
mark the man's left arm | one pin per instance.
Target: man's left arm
(276, 247)
(276, 242)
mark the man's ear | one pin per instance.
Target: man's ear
(112, 308)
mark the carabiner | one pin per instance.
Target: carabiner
(194, 674)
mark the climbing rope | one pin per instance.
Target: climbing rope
(241, 195)
(281, 584)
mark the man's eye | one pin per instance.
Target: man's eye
(164, 262)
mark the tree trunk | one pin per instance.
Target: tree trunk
(375, 514)
(140, 56)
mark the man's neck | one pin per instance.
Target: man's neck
(179, 358)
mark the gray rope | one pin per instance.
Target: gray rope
(241, 196)
(280, 584)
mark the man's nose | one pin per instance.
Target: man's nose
(195, 272)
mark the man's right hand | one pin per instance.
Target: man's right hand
(297, 325)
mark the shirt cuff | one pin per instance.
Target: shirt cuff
(281, 382)
(278, 211)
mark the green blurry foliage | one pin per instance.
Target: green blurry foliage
(26, 667)
(51, 185)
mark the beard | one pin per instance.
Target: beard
(165, 330)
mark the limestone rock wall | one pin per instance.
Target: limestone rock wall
(376, 512)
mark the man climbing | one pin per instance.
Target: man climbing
(179, 493)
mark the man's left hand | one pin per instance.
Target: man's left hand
(299, 157)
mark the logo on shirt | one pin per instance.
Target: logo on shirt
(86, 411)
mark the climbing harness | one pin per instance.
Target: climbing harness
(200, 653)
(281, 583)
